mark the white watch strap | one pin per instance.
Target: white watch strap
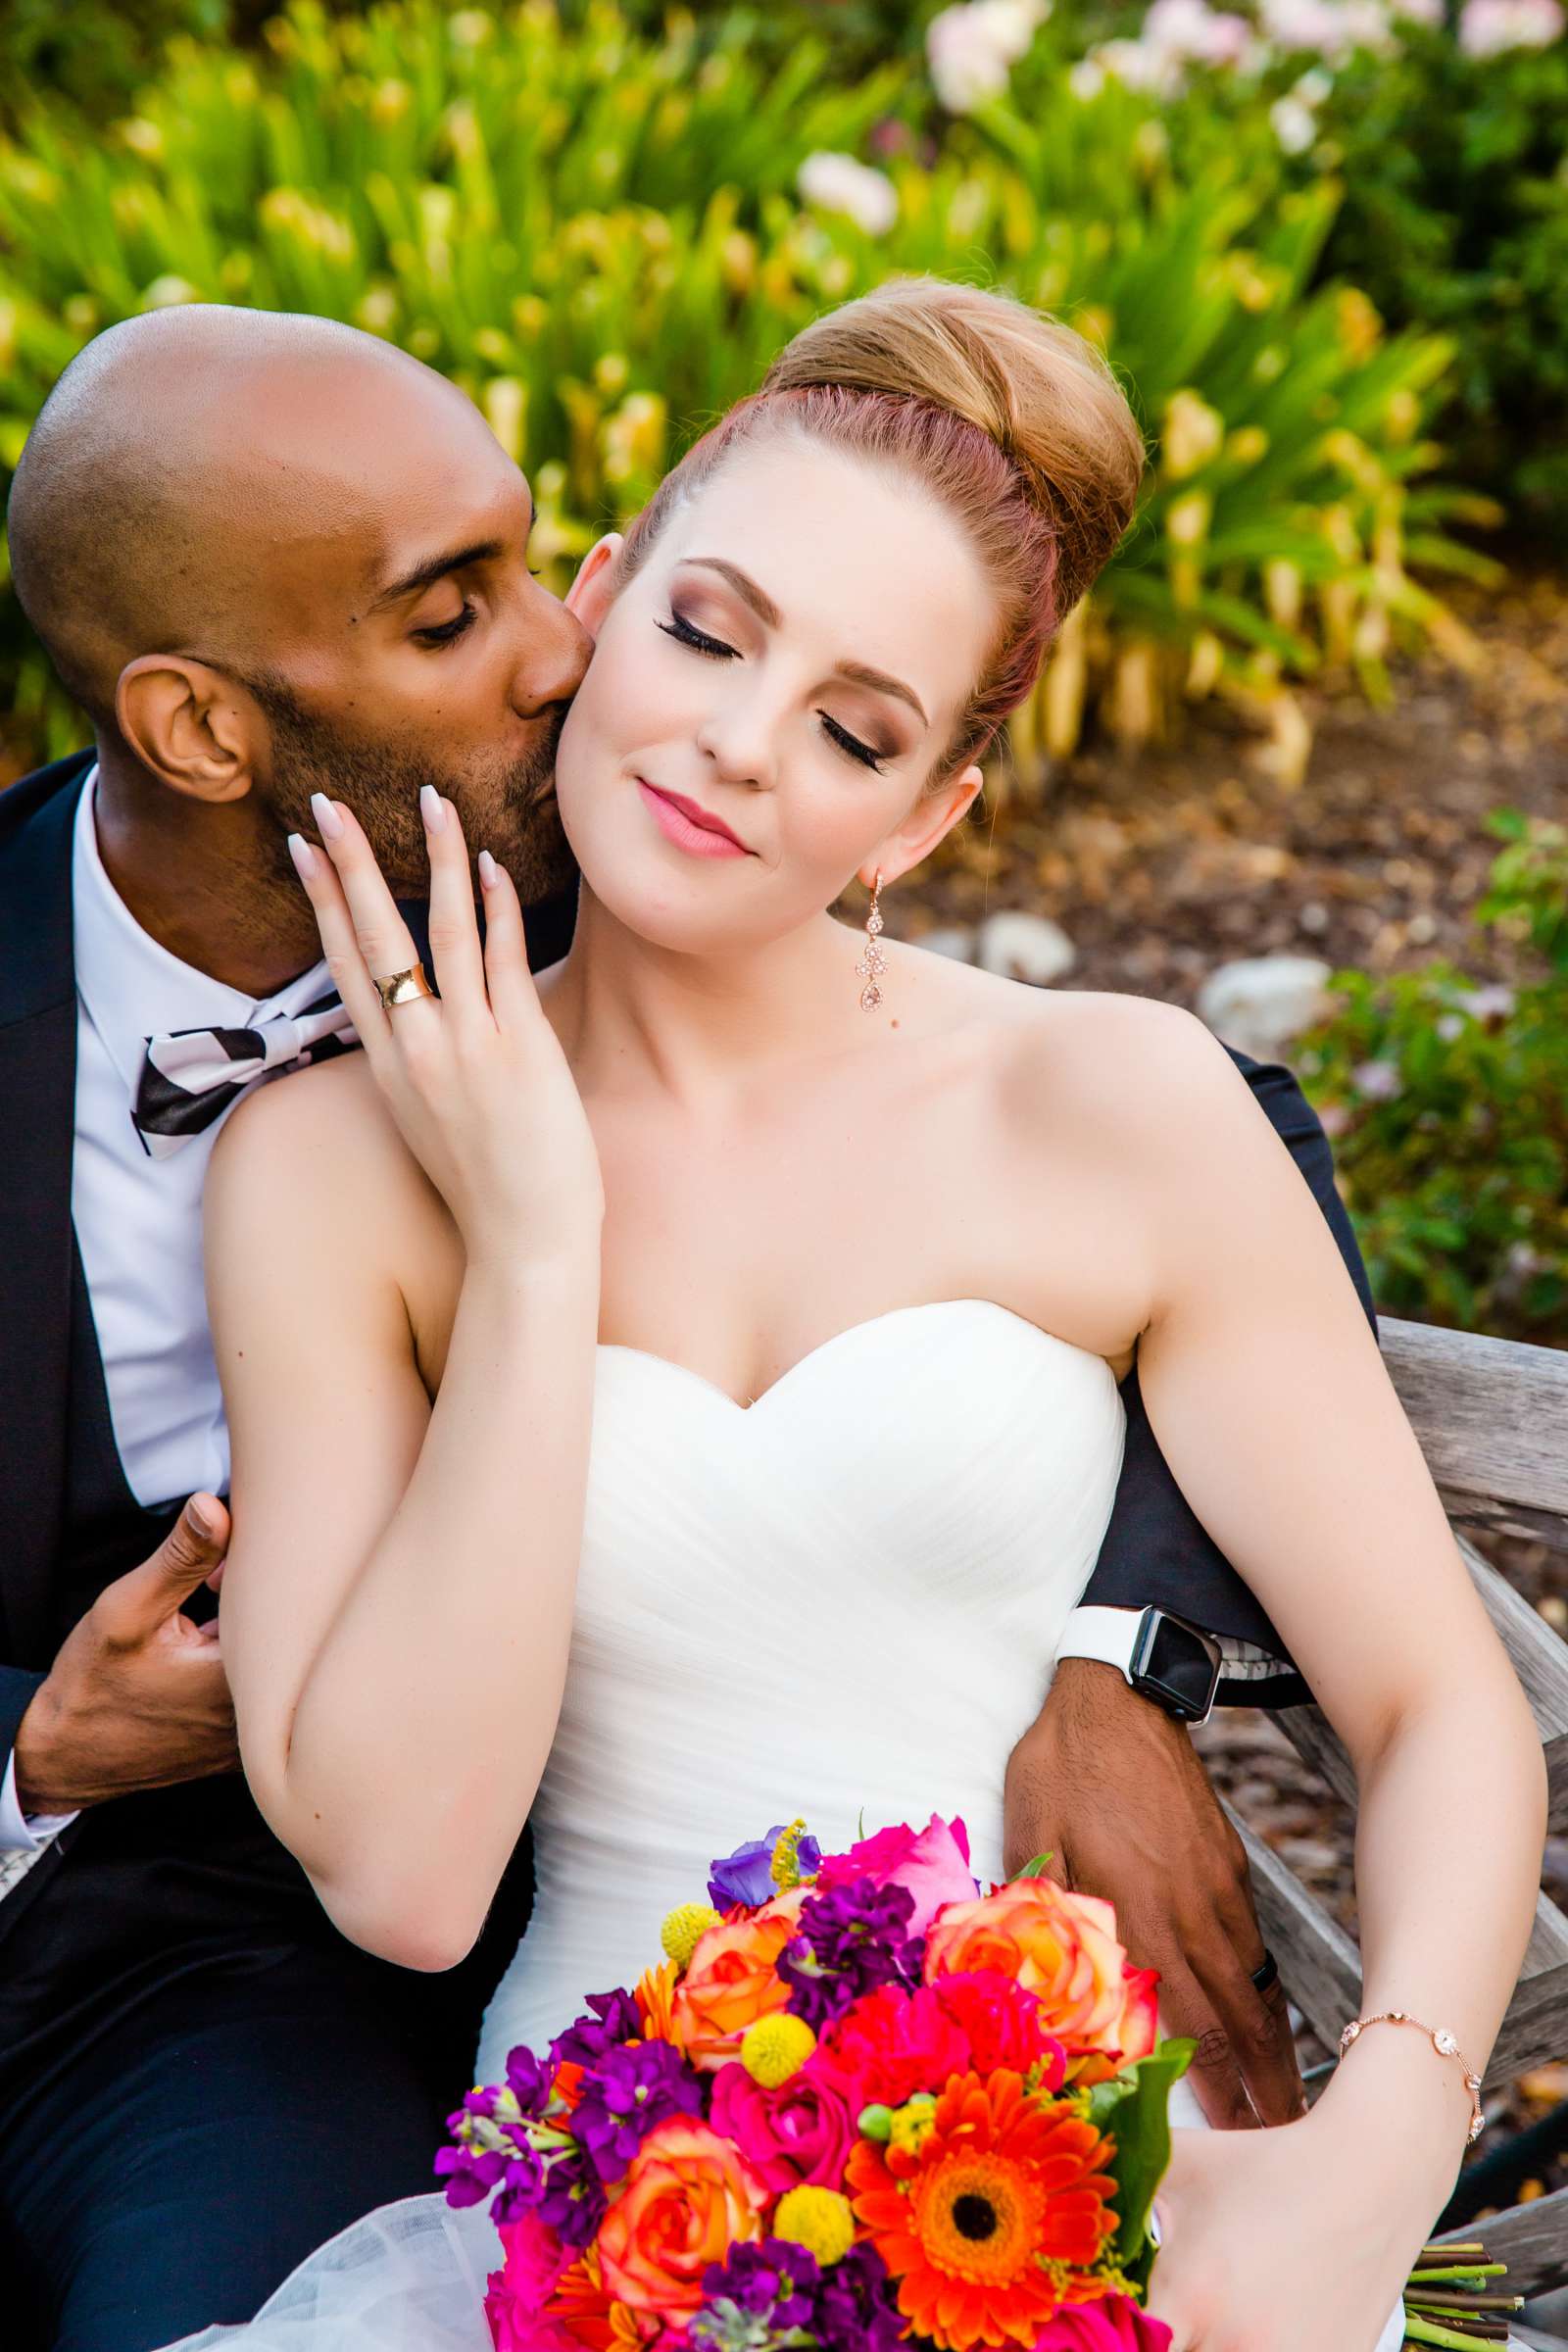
(1108, 1635)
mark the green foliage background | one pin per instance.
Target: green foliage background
(597, 231)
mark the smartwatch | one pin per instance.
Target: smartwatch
(1163, 1657)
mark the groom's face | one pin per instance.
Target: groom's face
(409, 643)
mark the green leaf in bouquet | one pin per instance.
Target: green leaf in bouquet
(1134, 2107)
(1036, 1869)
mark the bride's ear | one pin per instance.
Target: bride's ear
(591, 593)
(930, 820)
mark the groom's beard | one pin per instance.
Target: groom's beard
(381, 781)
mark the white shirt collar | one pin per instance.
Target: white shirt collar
(132, 987)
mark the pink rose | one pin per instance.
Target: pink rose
(1113, 2325)
(889, 2045)
(518, 2292)
(933, 1863)
(802, 2132)
(1003, 2023)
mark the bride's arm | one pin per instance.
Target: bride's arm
(397, 1601)
(1270, 1400)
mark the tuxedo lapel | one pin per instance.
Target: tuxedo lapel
(37, 1087)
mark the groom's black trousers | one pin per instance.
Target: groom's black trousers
(172, 2169)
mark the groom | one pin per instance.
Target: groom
(244, 540)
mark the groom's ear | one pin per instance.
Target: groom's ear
(592, 592)
(190, 726)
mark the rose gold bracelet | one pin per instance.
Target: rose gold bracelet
(1442, 2041)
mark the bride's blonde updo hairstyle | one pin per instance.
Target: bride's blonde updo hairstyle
(1010, 420)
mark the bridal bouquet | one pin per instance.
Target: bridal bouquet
(857, 2105)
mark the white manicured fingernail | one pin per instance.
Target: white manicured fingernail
(303, 855)
(327, 816)
(488, 874)
(430, 809)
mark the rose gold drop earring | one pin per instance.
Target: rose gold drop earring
(873, 963)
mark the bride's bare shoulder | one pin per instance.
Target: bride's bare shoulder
(1130, 1074)
(321, 1144)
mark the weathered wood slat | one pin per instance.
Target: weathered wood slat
(1534, 2032)
(1493, 1419)
(1532, 2239)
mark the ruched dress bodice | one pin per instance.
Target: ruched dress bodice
(841, 1601)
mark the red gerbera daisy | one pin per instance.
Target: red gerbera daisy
(986, 2225)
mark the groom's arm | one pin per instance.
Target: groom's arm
(1112, 1786)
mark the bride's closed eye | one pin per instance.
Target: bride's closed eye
(714, 649)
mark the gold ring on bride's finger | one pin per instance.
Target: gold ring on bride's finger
(401, 988)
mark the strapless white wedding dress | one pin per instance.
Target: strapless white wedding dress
(841, 1601)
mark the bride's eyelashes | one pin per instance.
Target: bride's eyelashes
(681, 629)
(714, 649)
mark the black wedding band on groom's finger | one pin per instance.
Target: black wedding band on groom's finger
(1267, 1973)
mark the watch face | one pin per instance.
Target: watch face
(1176, 1667)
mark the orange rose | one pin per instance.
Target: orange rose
(1064, 1947)
(689, 2196)
(729, 1983)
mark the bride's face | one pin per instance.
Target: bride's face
(791, 660)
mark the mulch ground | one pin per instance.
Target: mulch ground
(1163, 863)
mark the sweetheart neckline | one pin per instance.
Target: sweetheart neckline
(923, 1306)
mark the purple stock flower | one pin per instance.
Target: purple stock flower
(747, 1875)
(850, 1941)
(488, 2155)
(857, 2308)
(572, 2201)
(625, 2094)
(529, 2080)
(616, 2019)
(773, 2283)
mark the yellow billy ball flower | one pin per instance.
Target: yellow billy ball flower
(818, 2219)
(684, 1929)
(776, 2048)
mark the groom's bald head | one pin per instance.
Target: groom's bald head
(187, 466)
(270, 554)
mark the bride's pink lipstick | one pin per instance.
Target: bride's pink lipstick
(689, 826)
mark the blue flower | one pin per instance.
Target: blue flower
(747, 1875)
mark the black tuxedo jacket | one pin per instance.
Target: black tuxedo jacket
(1154, 1548)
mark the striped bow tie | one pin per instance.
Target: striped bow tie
(191, 1076)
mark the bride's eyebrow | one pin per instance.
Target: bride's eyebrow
(857, 674)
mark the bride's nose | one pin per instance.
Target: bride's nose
(738, 740)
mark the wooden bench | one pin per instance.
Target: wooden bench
(1491, 1416)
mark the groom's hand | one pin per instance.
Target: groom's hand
(137, 1697)
(1113, 1790)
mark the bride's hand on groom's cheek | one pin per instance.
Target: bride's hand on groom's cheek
(1113, 1788)
(476, 1080)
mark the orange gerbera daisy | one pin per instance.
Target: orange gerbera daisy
(587, 2314)
(654, 1995)
(986, 2223)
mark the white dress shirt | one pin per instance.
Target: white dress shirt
(137, 1219)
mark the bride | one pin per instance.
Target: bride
(682, 1394)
